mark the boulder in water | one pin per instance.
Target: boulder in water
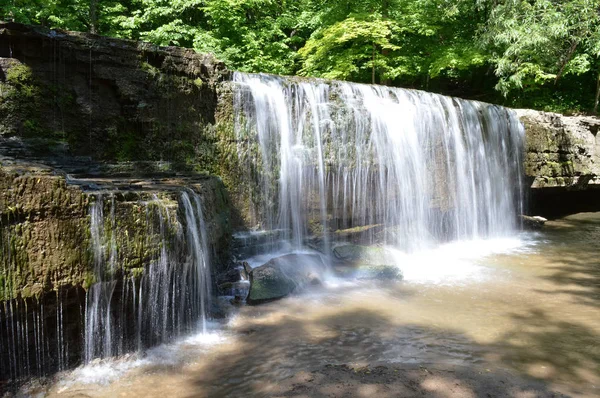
(365, 262)
(284, 275)
(533, 222)
(362, 255)
(378, 272)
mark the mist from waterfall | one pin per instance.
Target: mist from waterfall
(422, 167)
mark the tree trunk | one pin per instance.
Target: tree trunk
(94, 16)
(373, 66)
(384, 51)
(597, 94)
(566, 61)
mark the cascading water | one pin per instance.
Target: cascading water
(197, 244)
(334, 155)
(34, 331)
(129, 310)
(151, 284)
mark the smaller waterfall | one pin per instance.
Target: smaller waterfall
(129, 309)
(99, 326)
(197, 244)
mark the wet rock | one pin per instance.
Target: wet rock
(234, 281)
(239, 288)
(231, 275)
(250, 243)
(369, 272)
(247, 270)
(284, 275)
(362, 255)
(362, 234)
(237, 300)
(365, 262)
(533, 222)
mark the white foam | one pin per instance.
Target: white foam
(102, 371)
(106, 371)
(454, 261)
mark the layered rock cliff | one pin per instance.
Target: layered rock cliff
(562, 162)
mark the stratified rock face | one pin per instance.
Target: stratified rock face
(45, 225)
(99, 140)
(108, 98)
(562, 162)
(561, 150)
(44, 232)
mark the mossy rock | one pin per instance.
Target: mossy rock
(369, 272)
(363, 255)
(284, 275)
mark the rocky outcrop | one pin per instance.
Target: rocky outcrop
(533, 222)
(110, 99)
(45, 223)
(561, 151)
(562, 162)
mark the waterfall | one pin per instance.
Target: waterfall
(197, 245)
(327, 156)
(33, 335)
(131, 309)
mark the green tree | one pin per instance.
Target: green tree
(537, 43)
(403, 40)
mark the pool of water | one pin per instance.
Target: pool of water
(528, 304)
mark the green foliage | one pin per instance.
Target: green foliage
(348, 49)
(20, 99)
(538, 42)
(538, 53)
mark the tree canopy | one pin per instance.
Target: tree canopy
(543, 54)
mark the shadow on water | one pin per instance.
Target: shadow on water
(366, 352)
(554, 350)
(574, 259)
(577, 278)
(269, 358)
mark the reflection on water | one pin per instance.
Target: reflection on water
(529, 306)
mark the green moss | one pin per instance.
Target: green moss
(137, 272)
(20, 77)
(270, 286)
(151, 70)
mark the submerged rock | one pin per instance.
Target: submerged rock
(379, 272)
(283, 275)
(533, 222)
(363, 255)
(365, 262)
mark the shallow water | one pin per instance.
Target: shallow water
(529, 305)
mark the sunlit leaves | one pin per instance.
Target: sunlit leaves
(535, 42)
